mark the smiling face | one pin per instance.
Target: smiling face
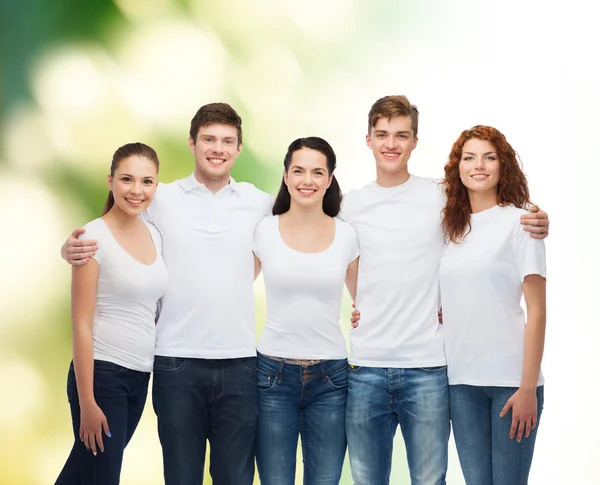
(392, 142)
(215, 150)
(307, 178)
(479, 166)
(133, 184)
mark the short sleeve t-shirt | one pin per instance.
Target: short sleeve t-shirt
(208, 310)
(126, 300)
(401, 243)
(481, 281)
(304, 293)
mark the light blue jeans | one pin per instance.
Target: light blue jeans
(486, 453)
(309, 402)
(380, 399)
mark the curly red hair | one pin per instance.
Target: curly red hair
(512, 184)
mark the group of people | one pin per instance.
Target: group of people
(163, 283)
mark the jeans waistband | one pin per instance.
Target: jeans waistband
(300, 362)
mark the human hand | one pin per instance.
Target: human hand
(355, 318)
(93, 422)
(536, 223)
(77, 252)
(524, 413)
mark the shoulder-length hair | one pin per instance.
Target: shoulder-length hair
(332, 199)
(512, 184)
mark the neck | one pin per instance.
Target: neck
(304, 216)
(119, 219)
(481, 201)
(392, 179)
(212, 184)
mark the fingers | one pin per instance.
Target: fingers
(535, 229)
(75, 246)
(98, 439)
(528, 428)
(105, 428)
(520, 429)
(534, 208)
(513, 427)
(505, 409)
(78, 232)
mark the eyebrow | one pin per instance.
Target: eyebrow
(129, 175)
(471, 153)
(302, 168)
(397, 133)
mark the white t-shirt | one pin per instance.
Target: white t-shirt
(126, 299)
(481, 280)
(401, 243)
(304, 293)
(208, 311)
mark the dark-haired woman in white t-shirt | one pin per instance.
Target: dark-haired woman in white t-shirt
(113, 309)
(494, 355)
(306, 254)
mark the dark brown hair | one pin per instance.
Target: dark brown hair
(216, 113)
(332, 200)
(121, 154)
(512, 184)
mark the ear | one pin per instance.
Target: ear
(416, 140)
(285, 177)
(239, 150)
(109, 182)
(192, 145)
(368, 140)
(330, 180)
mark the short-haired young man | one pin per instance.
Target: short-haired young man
(204, 385)
(397, 373)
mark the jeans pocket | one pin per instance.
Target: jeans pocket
(248, 364)
(265, 381)
(169, 364)
(353, 368)
(437, 368)
(338, 379)
(108, 368)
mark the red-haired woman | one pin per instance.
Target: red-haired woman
(494, 356)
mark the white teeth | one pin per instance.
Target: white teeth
(479, 176)
(306, 191)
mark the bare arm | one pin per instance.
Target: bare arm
(536, 223)
(352, 278)
(524, 401)
(257, 266)
(83, 304)
(77, 252)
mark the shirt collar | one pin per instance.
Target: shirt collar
(190, 183)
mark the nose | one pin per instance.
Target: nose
(390, 141)
(136, 188)
(307, 179)
(479, 163)
(218, 146)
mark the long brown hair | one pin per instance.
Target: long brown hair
(121, 154)
(512, 184)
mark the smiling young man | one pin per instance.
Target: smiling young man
(397, 373)
(204, 384)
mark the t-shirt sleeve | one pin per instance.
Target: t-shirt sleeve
(258, 241)
(353, 244)
(345, 213)
(530, 254)
(93, 232)
(156, 236)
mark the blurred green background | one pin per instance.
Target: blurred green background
(78, 79)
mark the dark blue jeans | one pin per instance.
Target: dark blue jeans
(121, 394)
(196, 400)
(380, 399)
(487, 454)
(309, 402)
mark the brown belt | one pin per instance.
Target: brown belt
(302, 362)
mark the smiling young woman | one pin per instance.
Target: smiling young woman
(494, 354)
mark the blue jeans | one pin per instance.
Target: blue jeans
(380, 399)
(307, 401)
(196, 400)
(486, 453)
(121, 394)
